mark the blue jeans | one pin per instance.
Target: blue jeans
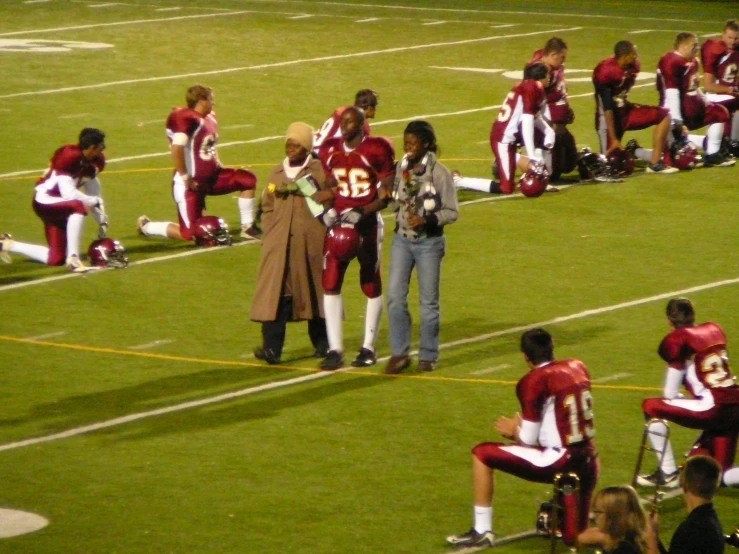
(425, 254)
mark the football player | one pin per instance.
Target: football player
(193, 134)
(613, 79)
(564, 152)
(522, 120)
(696, 358)
(361, 170)
(366, 99)
(720, 58)
(678, 85)
(62, 206)
(554, 434)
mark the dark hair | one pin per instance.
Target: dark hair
(701, 476)
(683, 37)
(366, 98)
(536, 71)
(732, 25)
(554, 44)
(680, 312)
(538, 346)
(90, 136)
(425, 133)
(357, 110)
(623, 48)
(196, 93)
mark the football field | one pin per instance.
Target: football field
(135, 418)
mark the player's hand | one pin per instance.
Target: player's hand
(615, 145)
(322, 196)
(329, 217)
(507, 427)
(351, 217)
(102, 231)
(191, 183)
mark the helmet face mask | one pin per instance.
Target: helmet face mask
(684, 155)
(595, 167)
(211, 231)
(107, 253)
(535, 181)
(342, 242)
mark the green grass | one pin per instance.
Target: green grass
(354, 462)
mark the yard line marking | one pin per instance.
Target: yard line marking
(489, 370)
(47, 335)
(608, 378)
(148, 122)
(368, 20)
(73, 116)
(167, 9)
(284, 63)
(35, 1)
(119, 23)
(302, 16)
(503, 26)
(108, 5)
(433, 23)
(323, 374)
(152, 344)
(641, 32)
(471, 69)
(239, 126)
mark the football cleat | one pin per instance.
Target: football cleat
(334, 360)
(141, 222)
(396, 364)
(268, 355)
(717, 160)
(734, 148)
(661, 167)
(659, 479)
(365, 358)
(6, 241)
(472, 538)
(631, 147)
(250, 232)
(75, 265)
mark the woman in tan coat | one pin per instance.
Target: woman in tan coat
(289, 281)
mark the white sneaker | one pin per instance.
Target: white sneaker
(141, 222)
(250, 232)
(75, 265)
(6, 242)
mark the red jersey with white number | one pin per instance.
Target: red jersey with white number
(608, 76)
(527, 97)
(201, 156)
(68, 161)
(557, 395)
(332, 128)
(700, 352)
(557, 89)
(674, 71)
(358, 172)
(721, 62)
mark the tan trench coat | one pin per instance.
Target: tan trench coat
(289, 229)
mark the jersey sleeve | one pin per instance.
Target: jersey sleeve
(532, 96)
(531, 393)
(673, 350)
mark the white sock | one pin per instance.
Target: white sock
(697, 140)
(715, 133)
(246, 209)
(333, 307)
(735, 126)
(372, 322)
(473, 183)
(547, 155)
(74, 231)
(483, 519)
(658, 437)
(156, 228)
(33, 251)
(644, 154)
(731, 477)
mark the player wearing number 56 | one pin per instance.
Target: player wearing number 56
(360, 170)
(553, 434)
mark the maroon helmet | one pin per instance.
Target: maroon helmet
(534, 182)
(211, 231)
(621, 161)
(342, 242)
(107, 253)
(684, 155)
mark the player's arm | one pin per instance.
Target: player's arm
(673, 382)
(94, 188)
(179, 142)
(609, 113)
(69, 191)
(527, 131)
(710, 84)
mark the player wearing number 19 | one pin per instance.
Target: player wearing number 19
(554, 434)
(360, 171)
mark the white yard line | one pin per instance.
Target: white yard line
(152, 344)
(609, 378)
(285, 63)
(323, 374)
(489, 370)
(47, 336)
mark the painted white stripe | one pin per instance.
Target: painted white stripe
(150, 345)
(301, 16)
(641, 32)
(239, 126)
(434, 23)
(48, 335)
(609, 378)
(35, 1)
(73, 116)
(503, 26)
(167, 9)
(368, 20)
(150, 122)
(471, 69)
(108, 5)
(320, 375)
(121, 23)
(285, 63)
(489, 370)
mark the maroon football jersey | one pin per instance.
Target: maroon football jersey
(557, 89)
(201, 156)
(69, 161)
(557, 395)
(700, 352)
(674, 71)
(721, 62)
(608, 76)
(358, 172)
(527, 97)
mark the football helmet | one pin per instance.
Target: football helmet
(595, 167)
(107, 253)
(534, 182)
(622, 161)
(211, 231)
(342, 242)
(684, 155)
